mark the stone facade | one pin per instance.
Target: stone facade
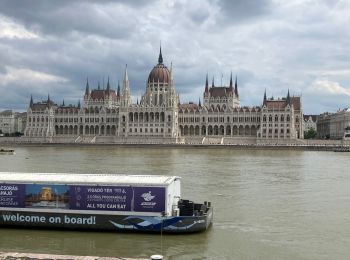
(333, 125)
(12, 122)
(110, 116)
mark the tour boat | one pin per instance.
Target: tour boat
(7, 151)
(145, 203)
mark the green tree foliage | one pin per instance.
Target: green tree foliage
(310, 134)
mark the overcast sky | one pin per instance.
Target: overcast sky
(51, 47)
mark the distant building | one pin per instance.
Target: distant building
(158, 117)
(12, 122)
(333, 125)
(310, 122)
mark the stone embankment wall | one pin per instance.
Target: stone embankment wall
(29, 256)
(188, 141)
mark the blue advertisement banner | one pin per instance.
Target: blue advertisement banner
(81, 197)
(149, 199)
(12, 195)
(115, 198)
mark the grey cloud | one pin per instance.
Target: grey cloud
(65, 17)
(267, 46)
(233, 11)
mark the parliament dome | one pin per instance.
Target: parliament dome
(160, 73)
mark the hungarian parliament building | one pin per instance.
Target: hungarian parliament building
(109, 116)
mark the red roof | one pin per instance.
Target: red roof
(98, 94)
(282, 103)
(219, 91)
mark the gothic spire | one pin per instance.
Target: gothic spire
(236, 87)
(265, 99)
(79, 103)
(231, 85)
(126, 100)
(288, 98)
(108, 86)
(160, 58)
(31, 101)
(48, 100)
(206, 84)
(212, 83)
(118, 90)
(199, 102)
(63, 103)
(87, 89)
(126, 78)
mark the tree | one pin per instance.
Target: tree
(310, 134)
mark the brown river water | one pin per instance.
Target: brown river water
(268, 204)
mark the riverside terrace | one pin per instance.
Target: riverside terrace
(320, 145)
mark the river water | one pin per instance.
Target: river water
(268, 204)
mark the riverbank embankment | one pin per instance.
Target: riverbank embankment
(307, 145)
(31, 256)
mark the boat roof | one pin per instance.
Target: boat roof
(83, 178)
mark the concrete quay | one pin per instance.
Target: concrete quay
(30, 256)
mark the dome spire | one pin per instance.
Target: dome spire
(160, 58)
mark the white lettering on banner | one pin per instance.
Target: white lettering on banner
(23, 218)
(80, 221)
(53, 220)
(13, 187)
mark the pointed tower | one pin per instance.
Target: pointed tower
(206, 90)
(108, 86)
(63, 103)
(265, 99)
(212, 83)
(126, 100)
(31, 101)
(231, 85)
(79, 106)
(236, 87)
(48, 100)
(288, 98)
(118, 90)
(160, 58)
(199, 102)
(171, 74)
(87, 88)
